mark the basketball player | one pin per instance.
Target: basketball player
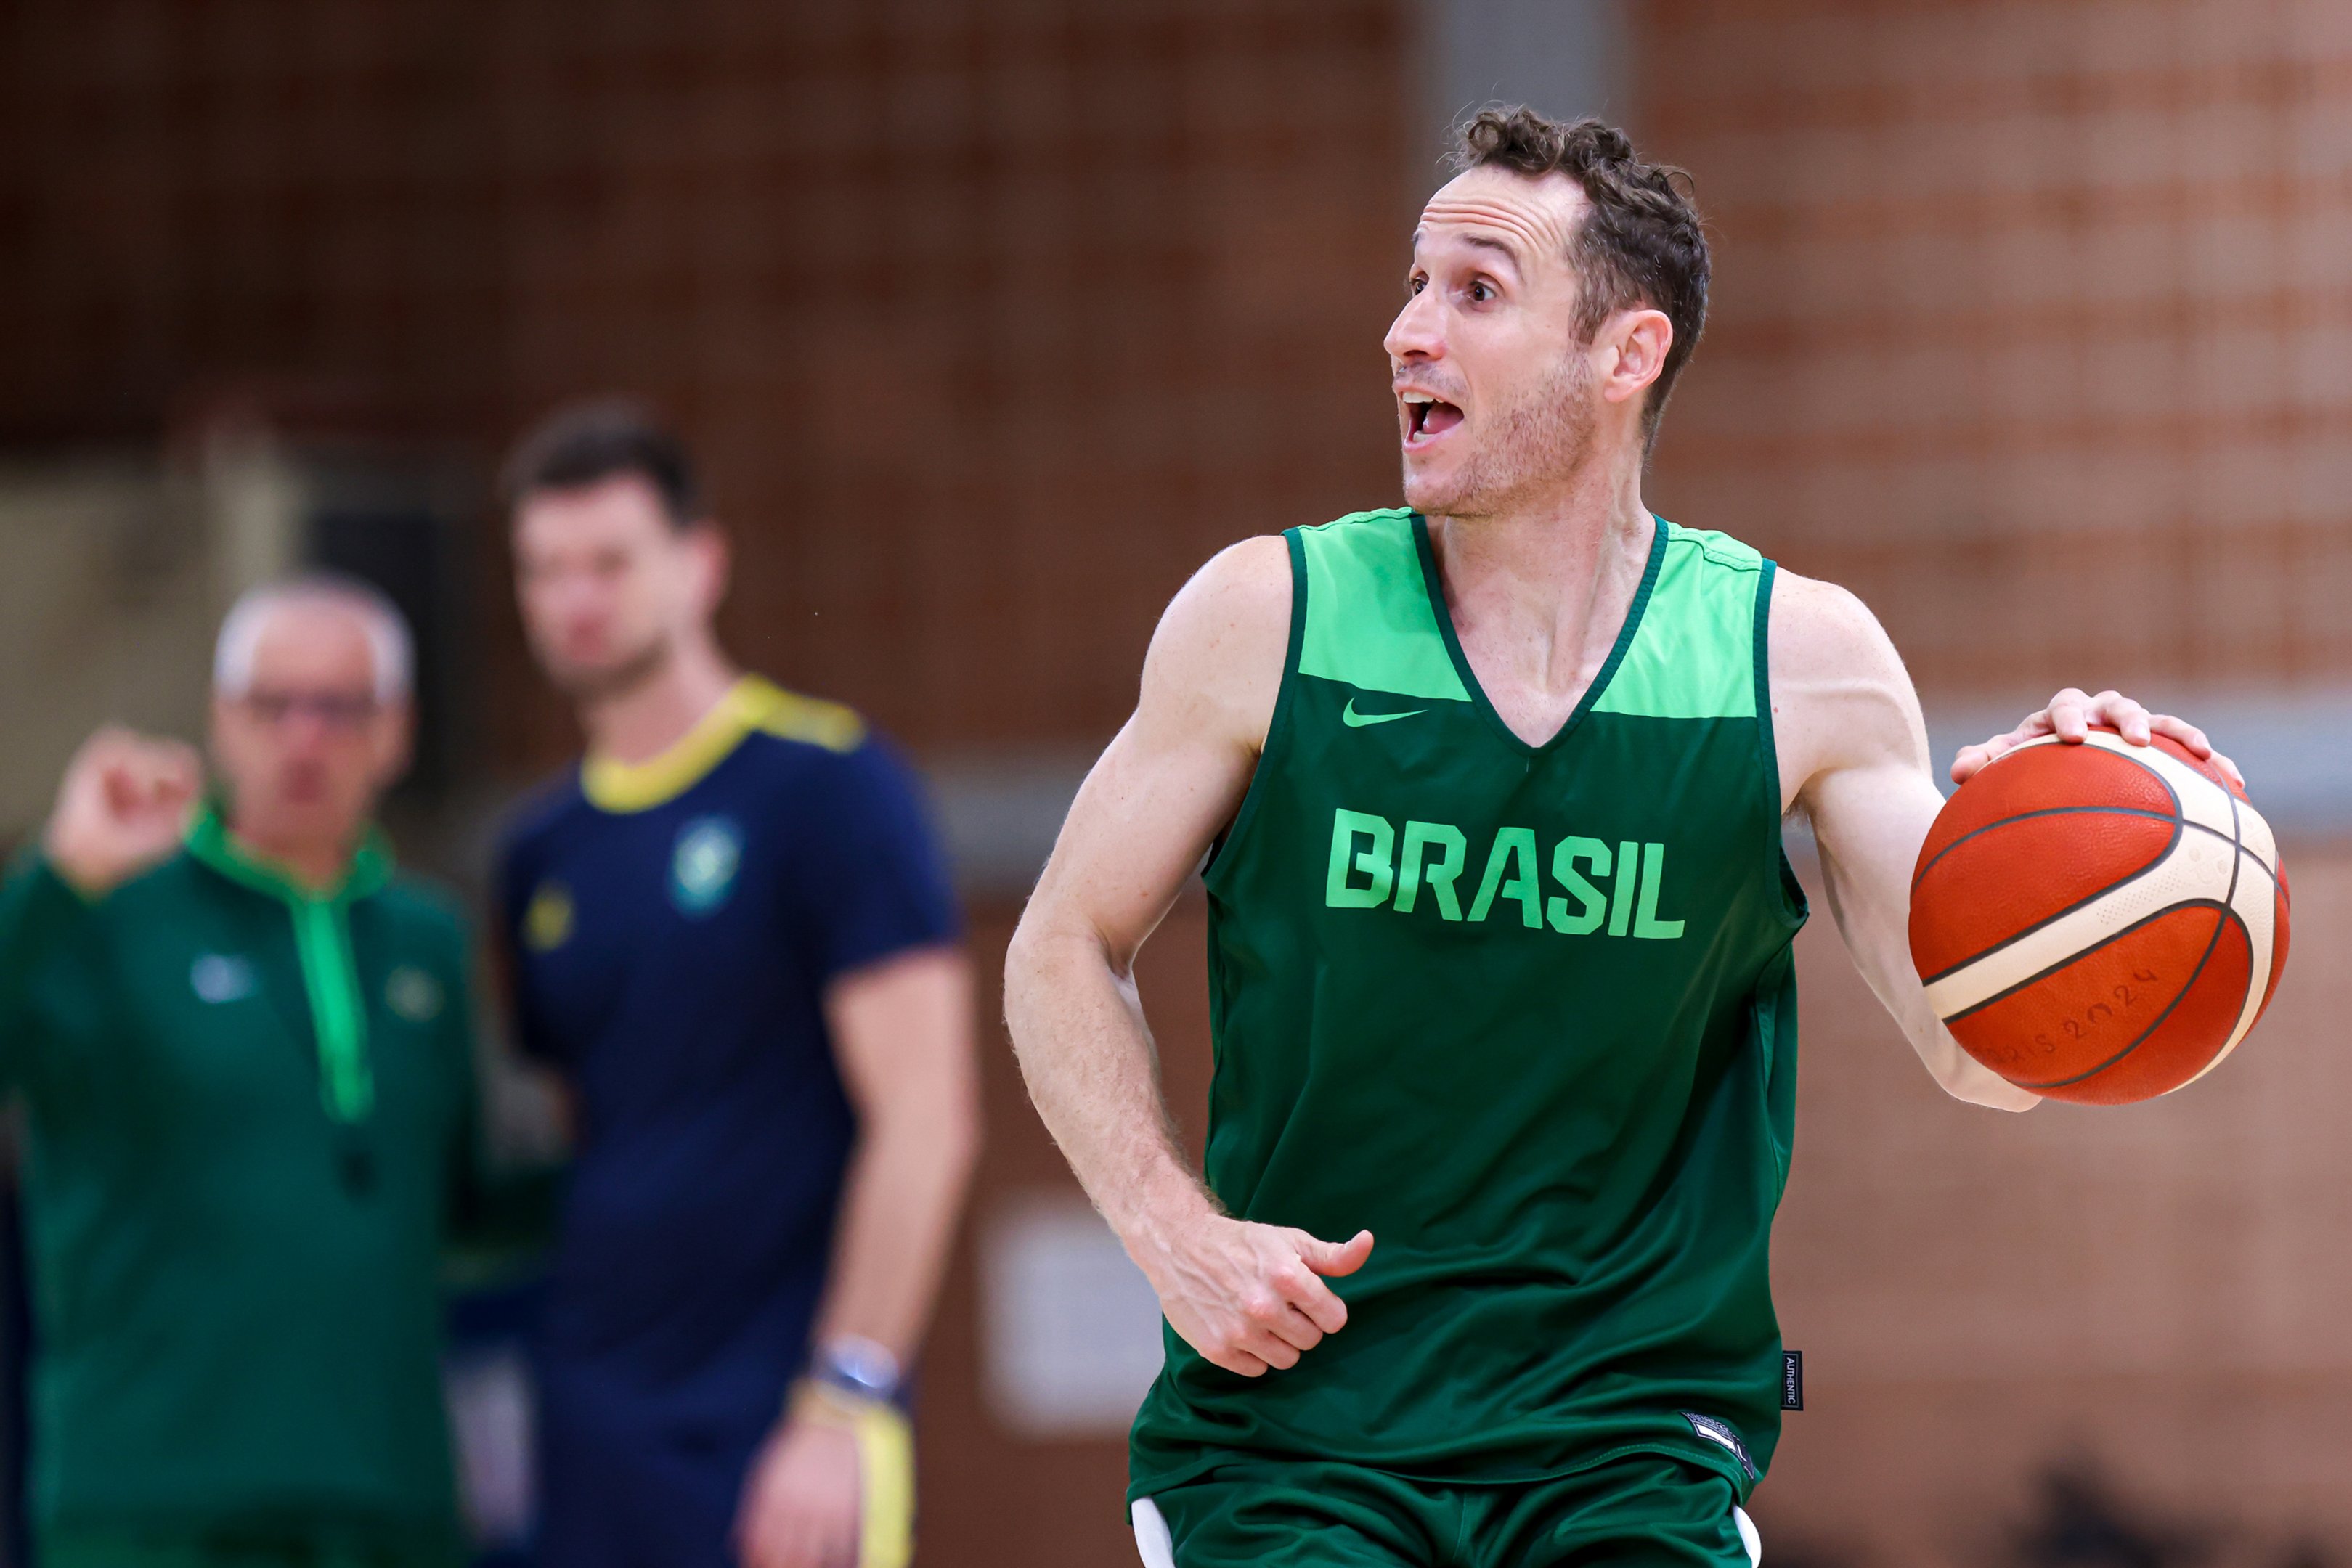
(1492, 788)
(730, 929)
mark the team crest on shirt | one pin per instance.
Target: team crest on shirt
(702, 868)
(547, 923)
(414, 994)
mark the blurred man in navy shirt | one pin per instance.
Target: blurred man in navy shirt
(729, 930)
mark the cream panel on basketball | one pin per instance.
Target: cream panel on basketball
(2255, 899)
(2224, 853)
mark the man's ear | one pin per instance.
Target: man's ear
(714, 561)
(397, 747)
(1639, 340)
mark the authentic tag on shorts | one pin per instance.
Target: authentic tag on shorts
(1792, 1380)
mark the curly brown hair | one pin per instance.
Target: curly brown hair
(1641, 243)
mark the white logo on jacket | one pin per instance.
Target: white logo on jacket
(219, 977)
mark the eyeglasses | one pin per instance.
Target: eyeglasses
(333, 710)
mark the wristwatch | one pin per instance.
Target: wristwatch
(857, 1366)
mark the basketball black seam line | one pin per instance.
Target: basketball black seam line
(2239, 843)
(2227, 908)
(2229, 916)
(2227, 905)
(2107, 941)
(2237, 834)
(2185, 823)
(1921, 874)
(2237, 861)
(2179, 822)
(2237, 866)
(2237, 839)
(2012, 939)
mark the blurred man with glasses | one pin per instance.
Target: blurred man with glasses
(244, 1047)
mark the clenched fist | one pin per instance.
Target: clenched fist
(1248, 1296)
(124, 806)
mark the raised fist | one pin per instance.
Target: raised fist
(124, 806)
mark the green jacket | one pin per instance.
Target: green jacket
(251, 1114)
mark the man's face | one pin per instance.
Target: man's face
(306, 748)
(1492, 383)
(608, 584)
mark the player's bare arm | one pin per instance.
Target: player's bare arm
(1853, 760)
(1245, 1295)
(901, 1034)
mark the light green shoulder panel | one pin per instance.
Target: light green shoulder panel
(1369, 620)
(1694, 654)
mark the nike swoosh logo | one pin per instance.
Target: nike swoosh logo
(1355, 720)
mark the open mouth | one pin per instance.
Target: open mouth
(1427, 417)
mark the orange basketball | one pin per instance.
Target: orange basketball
(2102, 922)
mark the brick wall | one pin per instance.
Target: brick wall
(2033, 322)
(2153, 1291)
(991, 321)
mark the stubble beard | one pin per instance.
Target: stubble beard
(1539, 441)
(592, 687)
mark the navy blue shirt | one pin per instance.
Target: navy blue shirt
(672, 928)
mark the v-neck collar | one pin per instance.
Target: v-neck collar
(1479, 698)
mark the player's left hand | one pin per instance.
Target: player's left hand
(2072, 715)
(801, 1503)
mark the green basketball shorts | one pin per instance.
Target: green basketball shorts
(1644, 1511)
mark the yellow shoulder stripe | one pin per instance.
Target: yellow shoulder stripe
(750, 704)
(813, 720)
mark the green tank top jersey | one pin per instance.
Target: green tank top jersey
(1525, 1012)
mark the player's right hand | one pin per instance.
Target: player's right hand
(123, 807)
(1249, 1297)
